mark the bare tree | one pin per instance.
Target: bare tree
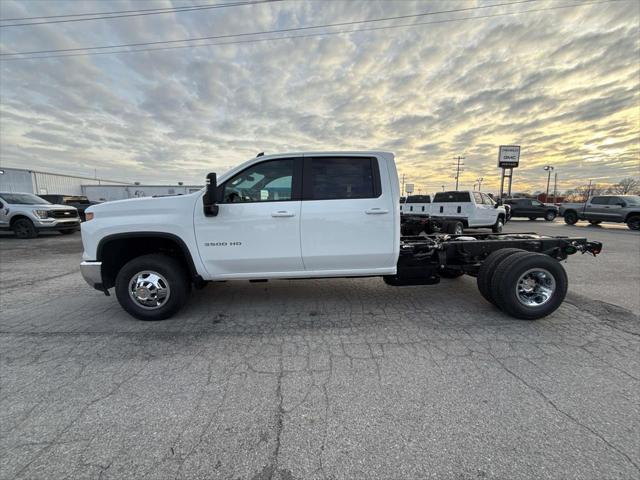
(583, 192)
(626, 186)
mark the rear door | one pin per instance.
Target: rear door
(597, 209)
(614, 212)
(348, 216)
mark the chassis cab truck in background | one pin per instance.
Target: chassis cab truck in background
(305, 215)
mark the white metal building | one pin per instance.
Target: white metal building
(42, 183)
(106, 193)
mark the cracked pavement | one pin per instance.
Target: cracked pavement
(315, 379)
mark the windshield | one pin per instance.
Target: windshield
(632, 199)
(23, 199)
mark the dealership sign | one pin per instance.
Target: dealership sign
(408, 188)
(508, 156)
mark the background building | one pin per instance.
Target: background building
(42, 183)
(96, 189)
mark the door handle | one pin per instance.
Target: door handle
(376, 211)
(283, 213)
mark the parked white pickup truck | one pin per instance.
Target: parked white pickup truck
(304, 215)
(474, 209)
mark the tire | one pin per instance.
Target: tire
(450, 273)
(23, 228)
(633, 222)
(172, 275)
(67, 232)
(455, 228)
(550, 216)
(570, 218)
(595, 222)
(497, 227)
(532, 218)
(516, 296)
(488, 268)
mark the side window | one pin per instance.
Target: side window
(486, 199)
(478, 198)
(342, 178)
(599, 200)
(269, 181)
(536, 203)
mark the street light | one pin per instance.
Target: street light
(549, 169)
(479, 180)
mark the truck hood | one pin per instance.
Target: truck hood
(144, 205)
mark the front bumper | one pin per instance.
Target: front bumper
(92, 274)
(57, 224)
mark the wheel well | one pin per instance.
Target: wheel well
(631, 214)
(15, 218)
(569, 210)
(115, 252)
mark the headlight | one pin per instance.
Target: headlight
(88, 216)
(41, 213)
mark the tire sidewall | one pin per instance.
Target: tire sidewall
(488, 268)
(170, 269)
(570, 218)
(31, 231)
(550, 216)
(506, 280)
(634, 223)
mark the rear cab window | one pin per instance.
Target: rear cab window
(451, 197)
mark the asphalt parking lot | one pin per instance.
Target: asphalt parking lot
(327, 379)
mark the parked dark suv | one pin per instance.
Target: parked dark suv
(78, 201)
(532, 209)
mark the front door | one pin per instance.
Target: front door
(257, 229)
(348, 223)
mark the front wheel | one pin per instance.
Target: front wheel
(497, 227)
(152, 287)
(570, 218)
(550, 216)
(634, 222)
(24, 228)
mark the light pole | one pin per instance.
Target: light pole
(479, 180)
(549, 169)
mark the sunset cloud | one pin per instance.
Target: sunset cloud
(564, 84)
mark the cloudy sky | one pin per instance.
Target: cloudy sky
(564, 83)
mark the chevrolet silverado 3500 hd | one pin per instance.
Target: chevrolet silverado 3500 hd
(305, 215)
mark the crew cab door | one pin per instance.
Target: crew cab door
(597, 209)
(348, 216)
(257, 229)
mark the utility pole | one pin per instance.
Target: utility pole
(549, 169)
(480, 180)
(555, 186)
(458, 168)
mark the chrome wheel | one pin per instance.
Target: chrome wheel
(459, 229)
(149, 289)
(535, 287)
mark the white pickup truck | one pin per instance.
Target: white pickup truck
(304, 215)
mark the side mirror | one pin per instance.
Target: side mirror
(209, 200)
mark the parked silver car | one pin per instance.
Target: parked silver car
(27, 215)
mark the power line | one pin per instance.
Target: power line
(287, 37)
(130, 13)
(281, 30)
